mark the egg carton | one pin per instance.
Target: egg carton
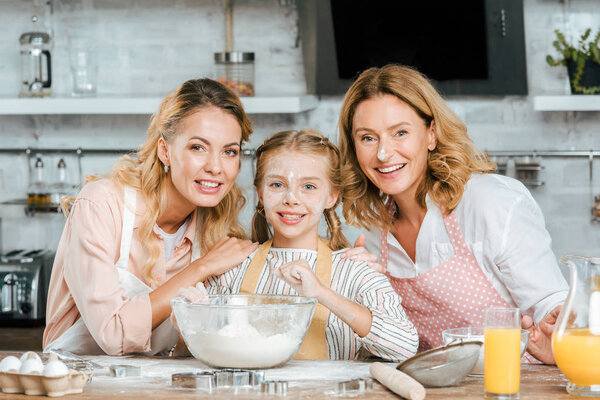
(37, 384)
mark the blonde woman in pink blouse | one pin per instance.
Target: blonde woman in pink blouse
(164, 220)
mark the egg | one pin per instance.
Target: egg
(10, 363)
(29, 354)
(55, 368)
(32, 366)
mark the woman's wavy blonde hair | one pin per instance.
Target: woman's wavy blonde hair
(306, 141)
(146, 173)
(449, 165)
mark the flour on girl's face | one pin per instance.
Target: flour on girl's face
(295, 191)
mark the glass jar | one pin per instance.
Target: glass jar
(235, 70)
(38, 195)
(596, 207)
(60, 188)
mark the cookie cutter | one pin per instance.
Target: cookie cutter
(123, 370)
(354, 386)
(194, 380)
(209, 380)
(274, 387)
(232, 377)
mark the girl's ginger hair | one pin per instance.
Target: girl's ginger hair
(449, 165)
(305, 141)
(146, 172)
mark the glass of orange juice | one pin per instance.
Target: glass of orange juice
(502, 358)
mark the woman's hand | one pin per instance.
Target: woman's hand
(229, 252)
(540, 336)
(193, 294)
(226, 254)
(360, 253)
(301, 277)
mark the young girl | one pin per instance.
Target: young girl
(298, 180)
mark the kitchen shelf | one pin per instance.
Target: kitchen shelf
(32, 209)
(567, 103)
(142, 105)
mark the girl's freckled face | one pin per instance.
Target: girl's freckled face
(294, 192)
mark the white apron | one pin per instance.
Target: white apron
(78, 340)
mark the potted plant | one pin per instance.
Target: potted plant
(582, 61)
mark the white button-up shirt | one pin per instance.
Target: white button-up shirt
(504, 228)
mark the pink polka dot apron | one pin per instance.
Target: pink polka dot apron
(454, 294)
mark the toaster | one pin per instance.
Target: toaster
(24, 279)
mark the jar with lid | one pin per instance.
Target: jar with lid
(596, 207)
(235, 69)
(38, 195)
(60, 187)
(36, 64)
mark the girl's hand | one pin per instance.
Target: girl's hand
(228, 253)
(360, 253)
(301, 277)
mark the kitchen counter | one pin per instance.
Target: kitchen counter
(307, 379)
(21, 338)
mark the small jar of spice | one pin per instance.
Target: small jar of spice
(235, 69)
(596, 207)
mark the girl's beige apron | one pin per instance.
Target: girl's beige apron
(314, 346)
(77, 339)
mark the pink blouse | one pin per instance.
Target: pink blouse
(85, 281)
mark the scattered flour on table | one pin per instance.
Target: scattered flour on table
(240, 345)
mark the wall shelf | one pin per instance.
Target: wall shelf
(142, 105)
(567, 103)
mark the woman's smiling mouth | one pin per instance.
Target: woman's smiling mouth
(207, 186)
(390, 169)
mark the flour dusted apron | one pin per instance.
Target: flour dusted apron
(78, 340)
(454, 294)
(314, 346)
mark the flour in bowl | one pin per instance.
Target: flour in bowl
(240, 345)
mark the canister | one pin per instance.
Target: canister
(235, 69)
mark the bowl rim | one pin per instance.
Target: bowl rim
(299, 301)
(445, 347)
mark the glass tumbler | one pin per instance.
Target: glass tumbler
(84, 71)
(502, 359)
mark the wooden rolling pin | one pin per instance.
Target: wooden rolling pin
(397, 381)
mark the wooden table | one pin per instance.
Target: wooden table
(307, 380)
(21, 338)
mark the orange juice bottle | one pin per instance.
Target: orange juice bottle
(502, 361)
(577, 355)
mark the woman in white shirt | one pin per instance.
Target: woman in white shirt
(454, 238)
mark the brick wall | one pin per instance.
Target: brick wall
(150, 46)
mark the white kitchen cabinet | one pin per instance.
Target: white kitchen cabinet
(142, 105)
